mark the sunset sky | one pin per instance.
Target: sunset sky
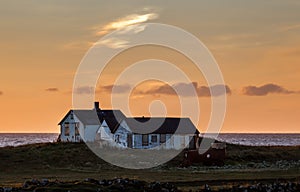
(255, 42)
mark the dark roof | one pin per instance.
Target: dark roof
(87, 117)
(161, 125)
(63, 119)
(96, 117)
(112, 117)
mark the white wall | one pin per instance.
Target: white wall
(121, 134)
(71, 137)
(172, 141)
(87, 133)
(104, 133)
(90, 132)
(181, 141)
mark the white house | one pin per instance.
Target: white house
(82, 125)
(111, 127)
(153, 133)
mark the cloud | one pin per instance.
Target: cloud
(117, 88)
(290, 28)
(125, 21)
(215, 90)
(183, 89)
(1, 93)
(84, 90)
(265, 90)
(157, 90)
(114, 43)
(52, 89)
(188, 90)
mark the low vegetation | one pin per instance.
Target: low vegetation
(74, 161)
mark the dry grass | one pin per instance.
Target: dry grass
(70, 161)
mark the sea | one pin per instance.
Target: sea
(17, 139)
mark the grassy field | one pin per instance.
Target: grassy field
(70, 161)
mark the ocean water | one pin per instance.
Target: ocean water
(261, 139)
(13, 139)
(16, 139)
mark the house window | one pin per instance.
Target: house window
(182, 141)
(154, 138)
(67, 129)
(77, 128)
(71, 116)
(76, 131)
(117, 139)
(145, 140)
(162, 138)
(171, 139)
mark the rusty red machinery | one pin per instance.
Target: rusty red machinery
(215, 155)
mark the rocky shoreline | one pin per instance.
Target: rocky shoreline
(131, 185)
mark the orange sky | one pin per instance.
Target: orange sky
(256, 43)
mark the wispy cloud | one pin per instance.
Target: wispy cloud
(52, 89)
(114, 43)
(266, 89)
(125, 21)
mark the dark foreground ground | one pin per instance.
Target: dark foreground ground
(72, 167)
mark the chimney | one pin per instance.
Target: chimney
(96, 105)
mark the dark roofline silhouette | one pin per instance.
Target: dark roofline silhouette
(113, 118)
(161, 125)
